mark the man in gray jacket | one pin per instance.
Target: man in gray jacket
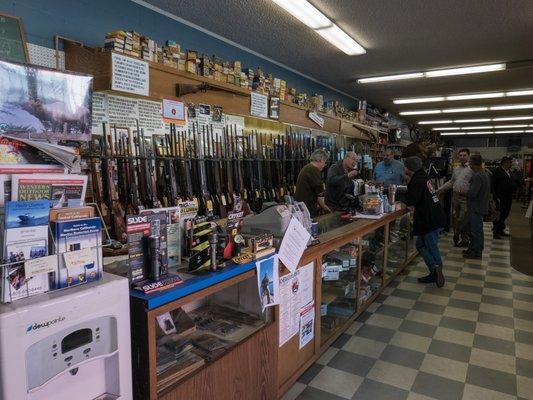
(477, 204)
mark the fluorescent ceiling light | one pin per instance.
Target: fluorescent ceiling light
(528, 92)
(448, 128)
(420, 112)
(465, 109)
(452, 133)
(480, 133)
(510, 126)
(391, 78)
(473, 128)
(419, 100)
(475, 96)
(337, 37)
(471, 120)
(305, 12)
(465, 70)
(441, 121)
(512, 118)
(509, 132)
(528, 130)
(512, 107)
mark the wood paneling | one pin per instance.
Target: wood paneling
(245, 373)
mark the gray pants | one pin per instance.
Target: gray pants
(475, 230)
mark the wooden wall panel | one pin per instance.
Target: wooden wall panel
(242, 374)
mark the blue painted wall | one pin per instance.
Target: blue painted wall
(89, 20)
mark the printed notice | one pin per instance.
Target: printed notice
(307, 324)
(99, 114)
(259, 105)
(306, 284)
(41, 265)
(289, 306)
(130, 75)
(173, 111)
(293, 244)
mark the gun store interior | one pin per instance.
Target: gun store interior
(251, 200)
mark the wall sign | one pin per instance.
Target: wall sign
(259, 105)
(173, 111)
(130, 75)
(313, 116)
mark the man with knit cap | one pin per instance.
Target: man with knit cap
(428, 218)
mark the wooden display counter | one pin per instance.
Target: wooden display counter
(254, 366)
(388, 240)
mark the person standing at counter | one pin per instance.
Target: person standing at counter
(339, 183)
(310, 185)
(459, 184)
(477, 206)
(389, 171)
(428, 219)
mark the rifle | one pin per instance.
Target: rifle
(217, 171)
(119, 223)
(183, 89)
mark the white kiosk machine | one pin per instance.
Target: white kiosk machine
(66, 345)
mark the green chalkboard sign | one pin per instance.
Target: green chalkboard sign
(12, 41)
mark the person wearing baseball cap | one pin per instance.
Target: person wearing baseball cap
(428, 218)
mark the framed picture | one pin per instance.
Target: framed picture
(12, 39)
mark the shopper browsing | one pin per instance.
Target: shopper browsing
(389, 171)
(503, 186)
(478, 197)
(428, 218)
(339, 183)
(310, 185)
(459, 183)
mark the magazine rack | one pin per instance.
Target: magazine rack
(18, 280)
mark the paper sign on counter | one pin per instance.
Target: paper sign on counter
(268, 281)
(307, 324)
(41, 265)
(306, 283)
(293, 244)
(289, 307)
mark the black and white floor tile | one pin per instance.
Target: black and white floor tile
(472, 339)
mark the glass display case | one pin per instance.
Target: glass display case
(174, 339)
(372, 261)
(340, 271)
(397, 248)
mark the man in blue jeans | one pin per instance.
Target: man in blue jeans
(428, 218)
(477, 206)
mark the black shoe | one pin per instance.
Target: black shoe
(472, 256)
(428, 278)
(439, 277)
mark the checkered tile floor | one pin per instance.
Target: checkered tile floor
(472, 339)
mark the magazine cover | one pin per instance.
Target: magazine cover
(64, 190)
(45, 103)
(16, 153)
(26, 237)
(82, 238)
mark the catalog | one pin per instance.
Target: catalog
(26, 237)
(79, 246)
(63, 189)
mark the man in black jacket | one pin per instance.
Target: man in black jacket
(503, 187)
(339, 183)
(428, 218)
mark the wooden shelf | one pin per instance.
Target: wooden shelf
(233, 99)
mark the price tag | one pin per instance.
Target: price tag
(79, 258)
(209, 205)
(41, 265)
(223, 199)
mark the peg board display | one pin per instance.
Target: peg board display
(45, 56)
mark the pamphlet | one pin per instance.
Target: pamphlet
(62, 189)
(26, 237)
(293, 244)
(268, 281)
(307, 324)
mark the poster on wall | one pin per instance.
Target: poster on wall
(259, 105)
(130, 75)
(43, 103)
(268, 281)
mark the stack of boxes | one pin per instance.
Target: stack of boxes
(133, 44)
